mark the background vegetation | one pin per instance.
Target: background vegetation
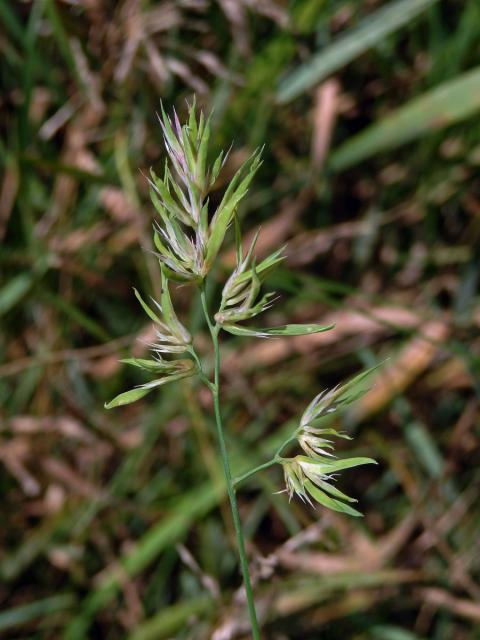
(112, 524)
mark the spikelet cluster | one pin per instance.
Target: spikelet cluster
(187, 237)
(241, 290)
(313, 475)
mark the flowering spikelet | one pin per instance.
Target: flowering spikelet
(311, 438)
(311, 475)
(186, 240)
(172, 338)
(312, 478)
(239, 296)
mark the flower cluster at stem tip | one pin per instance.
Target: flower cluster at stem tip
(188, 237)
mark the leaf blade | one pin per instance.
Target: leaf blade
(446, 104)
(371, 31)
(127, 397)
(284, 330)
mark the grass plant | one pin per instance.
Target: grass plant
(370, 174)
(188, 239)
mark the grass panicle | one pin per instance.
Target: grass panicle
(188, 242)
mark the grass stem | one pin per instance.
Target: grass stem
(215, 389)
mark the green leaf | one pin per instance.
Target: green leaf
(328, 502)
(64, 43)
(217, 165)
(167, 531)
(127, 397)
(444, 105)
(346, 47)
(285, 330)
(166, 303)
(169, 315)
(14, 291)
(186, 373)
(426, 449)
(133, 395)
(172, 619)
(38, 610)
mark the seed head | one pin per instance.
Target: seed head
(240, 293)
(172, 336)
(187, 241)
(311, 478)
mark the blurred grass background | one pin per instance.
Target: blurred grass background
(115, 525)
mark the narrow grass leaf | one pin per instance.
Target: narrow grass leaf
(371, 31)
(78, 317)
(451, 102)
(61, 36)
(230, 201)
(179, 369)
(353, 389)
(11, 22)
(127, 397)
(425, 448)
(148, 365)
(172, 619)
(24, 614)
(169, 530)
(285, 330)
(14, 291)
(333, 491)
(387, 632)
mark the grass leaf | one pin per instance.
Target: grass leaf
(127, 397)
(285, 330)
(444, 105)
(371, 31)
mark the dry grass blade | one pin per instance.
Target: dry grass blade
(414, 358)
(458, 606)
(324, 117)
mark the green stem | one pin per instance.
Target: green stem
(215, 389)
(276, 459)
(282, 446)
(252, 472)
